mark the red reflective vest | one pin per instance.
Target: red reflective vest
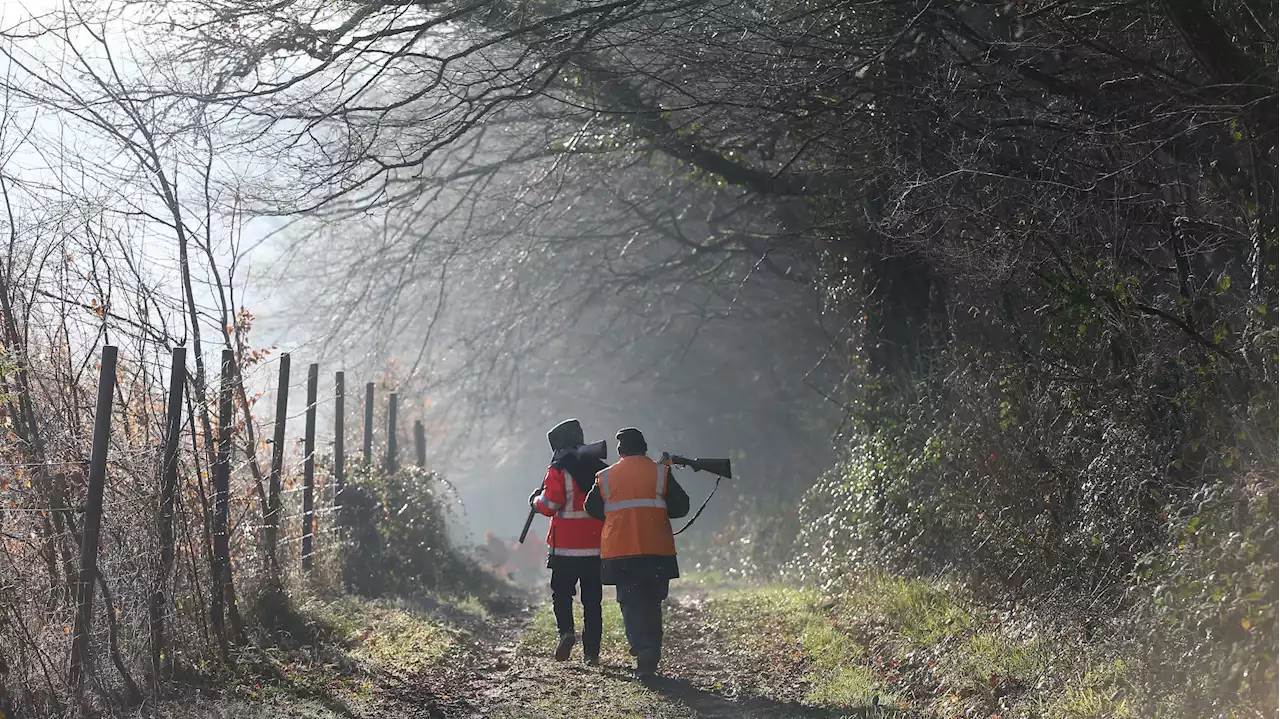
(635, 508)
(573, 532)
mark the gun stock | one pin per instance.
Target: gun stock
(718, 467)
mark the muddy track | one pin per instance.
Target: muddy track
(492, 674)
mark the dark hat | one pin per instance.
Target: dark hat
(565, 435)
(631, 441)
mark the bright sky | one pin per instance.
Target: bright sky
(59, 161)
(45, 164)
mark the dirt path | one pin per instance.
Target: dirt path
(890, 647)
(729, 653)
(507, 672)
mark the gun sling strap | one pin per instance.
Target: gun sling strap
(699, 512)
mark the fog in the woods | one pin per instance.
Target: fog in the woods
(979, 299)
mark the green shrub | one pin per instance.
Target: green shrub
(396, 537)
(1208, 601)
(754, 540)
(873, 507)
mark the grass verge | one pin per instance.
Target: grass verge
(328, 657)
(777, 624)
(925, 648)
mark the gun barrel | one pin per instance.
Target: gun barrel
(527, 522)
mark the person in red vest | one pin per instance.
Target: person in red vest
(573, 541)
(637, 498)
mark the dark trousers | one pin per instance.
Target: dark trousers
(641, 604)
(567, 574)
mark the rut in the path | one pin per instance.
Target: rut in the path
(465, 684)
(704, 678)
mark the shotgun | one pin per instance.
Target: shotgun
(719, 467)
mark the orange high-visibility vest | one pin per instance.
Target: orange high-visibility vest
(635, 509)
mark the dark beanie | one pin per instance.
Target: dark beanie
(630, 441)
(565, 435)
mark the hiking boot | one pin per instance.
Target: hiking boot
(592, 660)
(646, 665)
(564, 646)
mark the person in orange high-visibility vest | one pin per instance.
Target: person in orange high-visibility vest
(637, 498)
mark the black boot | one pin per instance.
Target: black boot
(564, 646)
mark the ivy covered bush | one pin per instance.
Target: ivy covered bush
(396, 540)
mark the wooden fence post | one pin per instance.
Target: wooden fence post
(391, 432)
(420, 442)
(272, 529)
(339, 432)
(92, 521)
(168, 491)
(368, 425)
(309, 467)
(223, 591)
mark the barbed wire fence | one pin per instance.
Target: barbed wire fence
(122, 569)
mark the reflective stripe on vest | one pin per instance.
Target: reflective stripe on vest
(636, 521)
(567, 511)
(658, 503)
(567, 508)
(562, 552)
